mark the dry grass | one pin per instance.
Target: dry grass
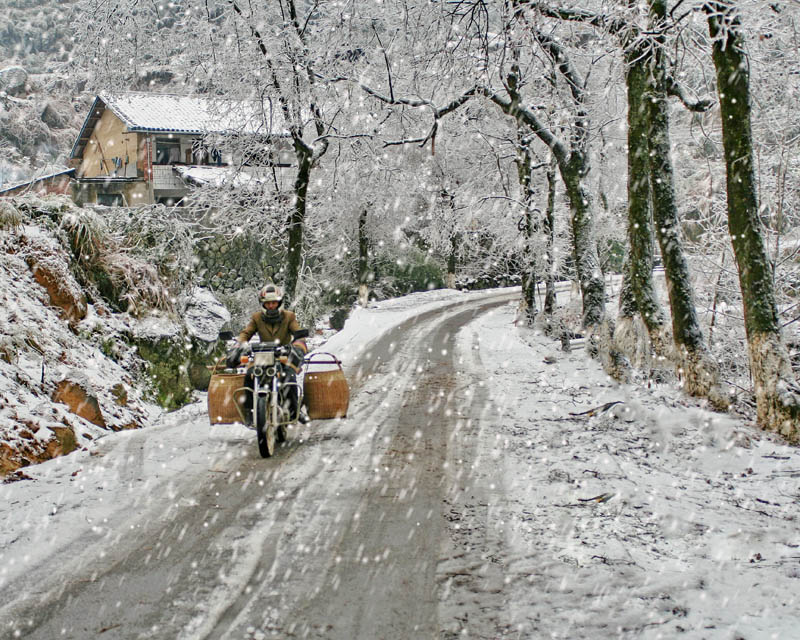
(88, 235)
(140, 286)
(10, 216)
(135, 278)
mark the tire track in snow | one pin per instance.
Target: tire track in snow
(361, 552)
(237, 546)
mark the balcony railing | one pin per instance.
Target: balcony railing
(164, 178)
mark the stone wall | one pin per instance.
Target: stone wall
(225, 265)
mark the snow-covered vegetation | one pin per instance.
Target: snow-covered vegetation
(91, 339)
(631, 166)
(564, 505)
(484, 146)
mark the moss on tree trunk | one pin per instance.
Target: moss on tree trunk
(640, 225)
(777, 400)
(587, 263)
(549, 222)
(524, 167)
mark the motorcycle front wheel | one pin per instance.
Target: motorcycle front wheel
(265, 432)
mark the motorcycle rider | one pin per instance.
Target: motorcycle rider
(280, 326)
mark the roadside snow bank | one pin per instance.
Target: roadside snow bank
(367, 324)
(626, 512)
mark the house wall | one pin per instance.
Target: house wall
(133, 193)
(111, 151)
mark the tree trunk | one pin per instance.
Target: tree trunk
(452, 261)
(587, 263)
(599, 329)
(701, 374)
(630, 332)
(777, 398)
(524, 167)
(640, 227)
(529, 269)
(549, 222)
(364, 273)
(296, 225)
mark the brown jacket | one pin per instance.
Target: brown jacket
(280, 332)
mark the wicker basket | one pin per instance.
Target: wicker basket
(325, 393)
(221, 402)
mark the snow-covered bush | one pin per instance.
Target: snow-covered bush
(10, 216)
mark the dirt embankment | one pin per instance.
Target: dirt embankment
(58, 390)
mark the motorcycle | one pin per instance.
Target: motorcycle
(271, 406)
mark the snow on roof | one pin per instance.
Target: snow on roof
(218, 176)
(195, 114)
(191, 115)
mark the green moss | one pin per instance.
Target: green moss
(176, 367)
(167, 370)
(201, 357)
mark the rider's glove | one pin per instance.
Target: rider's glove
(234, 357)
(296, 357)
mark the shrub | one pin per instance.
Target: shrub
(10, 216)
(418, 272)
(88, 235)
(338, 318)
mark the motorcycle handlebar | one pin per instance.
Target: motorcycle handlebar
(279, 349)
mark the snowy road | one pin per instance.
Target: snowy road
(339, 535)
(476, 490)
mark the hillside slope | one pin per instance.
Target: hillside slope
(41, 109)
(48, 354)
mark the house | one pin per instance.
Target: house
(142, 148)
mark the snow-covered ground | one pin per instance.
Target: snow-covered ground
(602, 510)
(74, 495)
(652, 518)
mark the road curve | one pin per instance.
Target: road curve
(341, 535)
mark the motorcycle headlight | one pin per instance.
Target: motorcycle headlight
(264, 358)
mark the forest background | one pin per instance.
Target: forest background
(477, 143)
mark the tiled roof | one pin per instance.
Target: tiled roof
(195, 114)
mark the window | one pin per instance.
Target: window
(170, 201)
(204, 155)
(168, 151)
(109, 199)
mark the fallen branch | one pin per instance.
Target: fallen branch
(604, 407)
